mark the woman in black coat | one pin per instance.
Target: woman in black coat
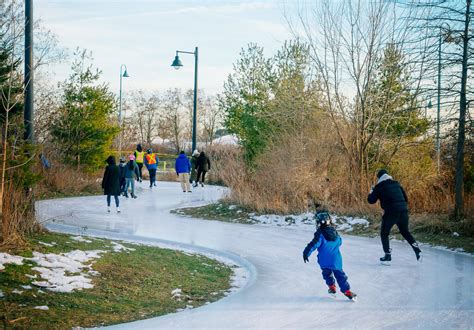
(111, 182)
(203, 165)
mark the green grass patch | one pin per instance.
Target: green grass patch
(132, 285)
(221, 211)
(436, 230)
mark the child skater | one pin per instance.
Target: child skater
(327, 241)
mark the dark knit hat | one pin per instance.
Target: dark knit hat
(381, 172)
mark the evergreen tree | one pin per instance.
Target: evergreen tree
(247, 92)
(83, 127)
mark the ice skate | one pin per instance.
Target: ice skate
(108, 209)
(118, 209)
(332, 290)
(417, 251)
(351, 295)
(386, 260)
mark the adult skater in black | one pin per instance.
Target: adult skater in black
(393, 201)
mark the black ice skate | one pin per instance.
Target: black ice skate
(386, 259)
(417, 250)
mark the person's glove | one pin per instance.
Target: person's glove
(305, 258)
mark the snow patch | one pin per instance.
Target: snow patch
(176, 294)
(26, 287)
(47, 244)
(42, 308)
(117, 247)
(6, 258)
(16, 291)
(306, 220)
(55, 270)
(80, 239)
(2, 294)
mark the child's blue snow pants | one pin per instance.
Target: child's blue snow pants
(340, 277)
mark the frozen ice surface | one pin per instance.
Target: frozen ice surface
(281, 291)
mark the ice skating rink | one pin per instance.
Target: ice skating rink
(282, 291)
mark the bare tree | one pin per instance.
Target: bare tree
(348, 43)
(173, 119)
(211, 118)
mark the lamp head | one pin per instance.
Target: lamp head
(177, 63)
(125, 74)
(430, 105)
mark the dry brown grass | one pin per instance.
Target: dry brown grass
(296, 169)
(63, 181)
(18, 218)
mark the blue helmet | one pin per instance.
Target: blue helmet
(322, 218)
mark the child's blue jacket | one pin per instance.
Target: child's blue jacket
(327, 241)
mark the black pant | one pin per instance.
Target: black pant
(201, 173)
(152, 173)
(388, 221)
(140, 166)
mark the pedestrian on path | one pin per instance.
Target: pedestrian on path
(131, 174)
(394, 202)
(183, 167)
(151, 163)
(111, 183)
(139, 159)
(203, 166)
(193, 178)
(122, 165)
(327, 241)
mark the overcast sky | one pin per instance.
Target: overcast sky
(144, 35)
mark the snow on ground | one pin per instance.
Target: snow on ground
(48, 244)
(6, 258)
(306, 220)
(63, 272)
(80, 239)
(56, 270)
(42, 308)
(117, 247)
(281, 291)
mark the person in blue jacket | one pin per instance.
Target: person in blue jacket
(327, 241)
(183, 167)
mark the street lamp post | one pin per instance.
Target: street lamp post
(29, 71)
(177, 64)
(438, 112)
(123, 74)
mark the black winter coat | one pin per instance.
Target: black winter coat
(203, 163)
(391, 195)
(111, 180)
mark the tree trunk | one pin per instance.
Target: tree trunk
(459, 176)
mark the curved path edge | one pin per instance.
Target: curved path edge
(243, 277)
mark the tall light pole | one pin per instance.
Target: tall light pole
(123, 74)
(438, 112)
(29, 105)
(177, 64)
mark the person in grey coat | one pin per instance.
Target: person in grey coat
(132, 173)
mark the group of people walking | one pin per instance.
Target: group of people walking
(192, 171)
(120, 179)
